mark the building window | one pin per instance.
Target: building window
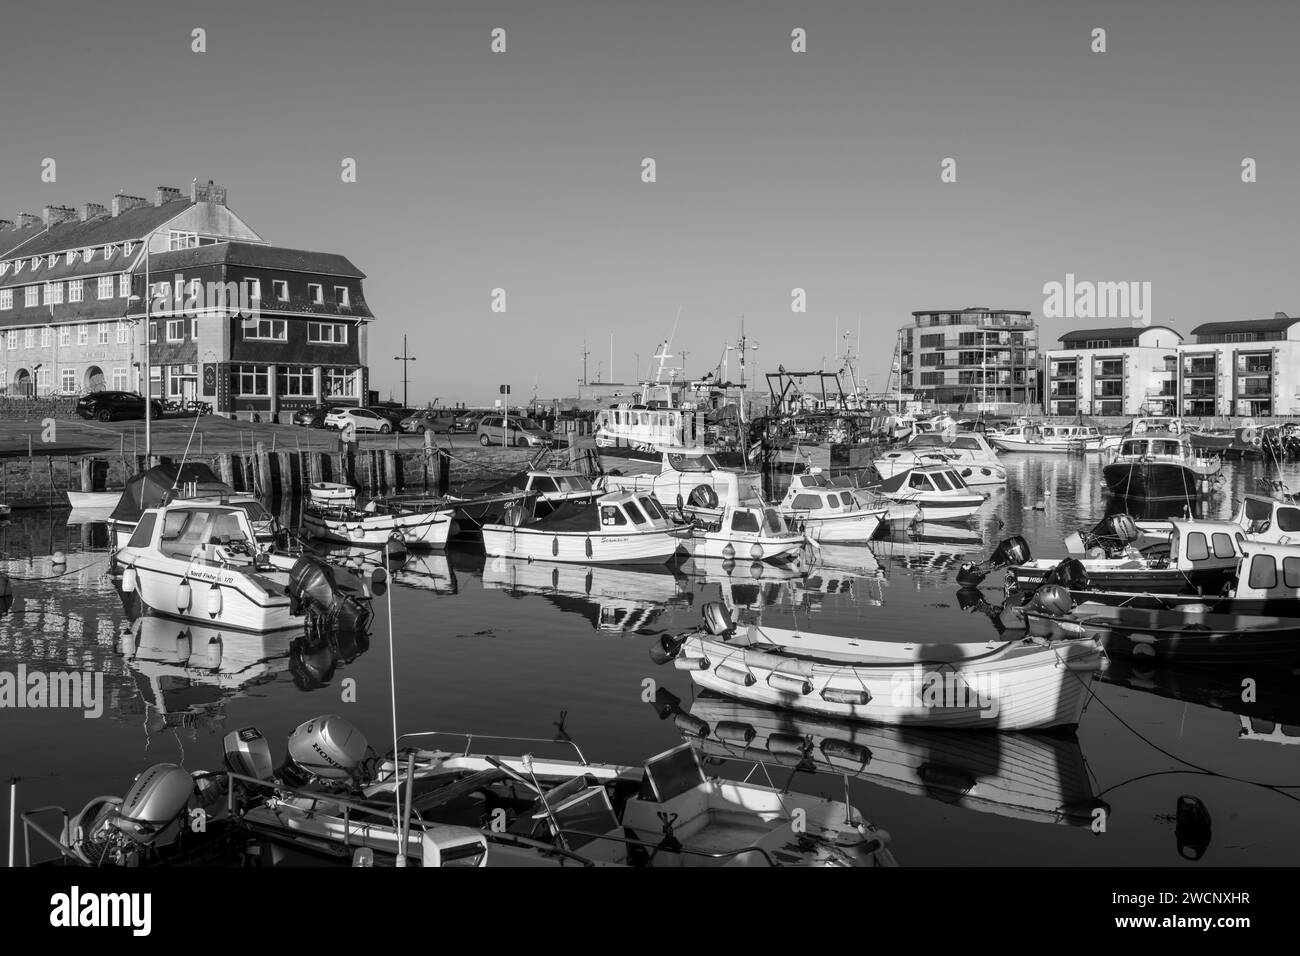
(76, 288)
(31, 295)
(124, 285)
(194, 330)
(68, 380)
(13, 340)
(176, 330)
(341, 295)
(47, 337)
(153, 333)
(6, 298)
(101, 333)
(120, 379)
(274, 330)
(105, 287)
(29, 338)
(339, 382)
(83, 334)
(43, 379)
(54, 293)
(65, 335)
(316, 292)
(123, 333)
(175, 383)
(281, 289)
(295, 381)
(336, 333)
(254, 289)
(181, 240)
(250, 380)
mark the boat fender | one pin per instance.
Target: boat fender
(588, 546)
(858, 753)
(854, 696)
(735, 731)
(789, 683)
(728, 552)
(1193, 828)
(790, 745)
(214, 600)
(183, 596)
(690, 725)
(735, 675)
(555, 546)
(756, 552)
(129, 580)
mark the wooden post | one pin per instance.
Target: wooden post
(87, 475)
(262, 466)
(444, 472)
(225, 462)
(314, 461)
(390, 471)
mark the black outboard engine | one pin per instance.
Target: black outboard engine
(315, 589)
(1113, 534)
(1069, 574)
(1014, 550)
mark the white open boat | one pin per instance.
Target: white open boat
(1030, 684)
(826, 512)
(198, 560)
(378, 524)
(332, 493)
(556, 811)
(938, 490)
(94, 500)
(745, 530)
(622, 527)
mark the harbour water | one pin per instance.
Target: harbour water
(510, 648)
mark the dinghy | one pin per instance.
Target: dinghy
(622, 527)
(93, 500)
(1029, 684)
(378, 524)
(332, 493)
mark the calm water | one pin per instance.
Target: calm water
(499, 647)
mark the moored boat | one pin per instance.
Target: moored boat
(825, 511)
(378, 523)
(938, 491)
(1160, 465)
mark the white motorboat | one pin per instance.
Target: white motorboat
(332, 493)
(562, 811)
(378, 524)
(1056, 439)
(1029, 684)
(691, 483)
(746, 529)
(192, 481)
(826, 512)
(938, 490)
(622, 527)
(967, 452)
(197, 560)
(93, 500)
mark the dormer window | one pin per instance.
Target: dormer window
(314, 291)
(341, 295)
(281, 289)
(4, 267)
(73, 256)
(36, 263)
(128, 248)
(18, 266)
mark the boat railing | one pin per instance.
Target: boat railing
(471, 737)
(30, 825)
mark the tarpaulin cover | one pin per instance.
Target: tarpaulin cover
(146, 490)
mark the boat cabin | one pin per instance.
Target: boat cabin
(1269, 520)
(1200, 545)
(618, 511)
(815, 494)
(1156, 446)
(928, 480)
(1268, 572)
(197, 530)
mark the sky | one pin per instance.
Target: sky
(775, 170)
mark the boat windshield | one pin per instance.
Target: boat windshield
(1133, 447)
(772, 523)
(652, 508)
(574, 483)
(1166, 448)
(814, 481)
(634, 512)
(186, 534)
(692, 463)
(941, 481)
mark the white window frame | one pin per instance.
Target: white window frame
(65, 335)
(123, 333)
(346, 300)
(121, 378)
(6, 298)
(253, 373)
(254, 289)
(266, 330)
(76, 290)
(47, 336)
(295, 381)
(124, 285)
(101, 333)
(315, 332)
(177, 326)
(67, 380)
(105, 288)
(83, 334)
(29, 338)
(316, 292)
(280, 289)
(32, 296)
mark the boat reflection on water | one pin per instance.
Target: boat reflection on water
(316, 654)
(186, 672)
(1267, 702)
(1156, 509)
(746, 586)
(614, 599)
(928, 548)
(851, 570)
(1035, 777)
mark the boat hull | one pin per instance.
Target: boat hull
(650, 547)
(849, 526)
(427, 530)
(940, 508)
(1141, 579)
(1153, 480)
(249, 602)
(94, 499)
(742, 547)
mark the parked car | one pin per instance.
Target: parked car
(313, 417)
(522, 431)
(363, 418)
(113, 406)
(466, 422)
(428, 420)
(394, 414)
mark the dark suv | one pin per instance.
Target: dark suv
(112, 406)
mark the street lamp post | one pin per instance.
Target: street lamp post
(405, 359)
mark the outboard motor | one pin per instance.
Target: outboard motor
(324, 751)
(1070, 574)
(1112, 535)
(314, 588)
(1014, 550)
(116, 831)
(248, 753)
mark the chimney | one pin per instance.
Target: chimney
(53, 215)
(207, 192)
(123, 202)
(92, 210)
(163, 194)
(26, 220)
(6, 225)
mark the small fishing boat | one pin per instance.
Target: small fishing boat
(1160, 465)
(1055, 439)
(191, 481)
(379, 523)
(1027, 684)
(551, 486)
(826, 512)
(621, 527)
(93, 500)
(937, 490)
(745, 530)
(198, 560)
(332, 493)
(967, 452)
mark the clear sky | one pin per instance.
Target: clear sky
(775, 170)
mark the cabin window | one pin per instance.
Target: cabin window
(1257, 510)
(1223, 545)
(807, 502)
(576, 483)
(226, 526)
(185, 533)
(609, 515)
(634, 512)
(1291, 572)
(1288, 519)
(1166, 448)
(745, 521)
(1198, 548)
(544, 484)
(143, 533)
(847, 499)
(772, 523)
(918, 481)
(941, 481)
(652, 508)
(1263, 572)
(689, 463)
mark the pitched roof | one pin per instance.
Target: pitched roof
(1279, 323)
(256, 256)
(1114, 332)
(132, 224)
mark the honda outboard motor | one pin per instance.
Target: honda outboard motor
(248, 753)
(115, 831)
(1014, 550)
(1070, 574)
(314, 588)
(324, 751)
